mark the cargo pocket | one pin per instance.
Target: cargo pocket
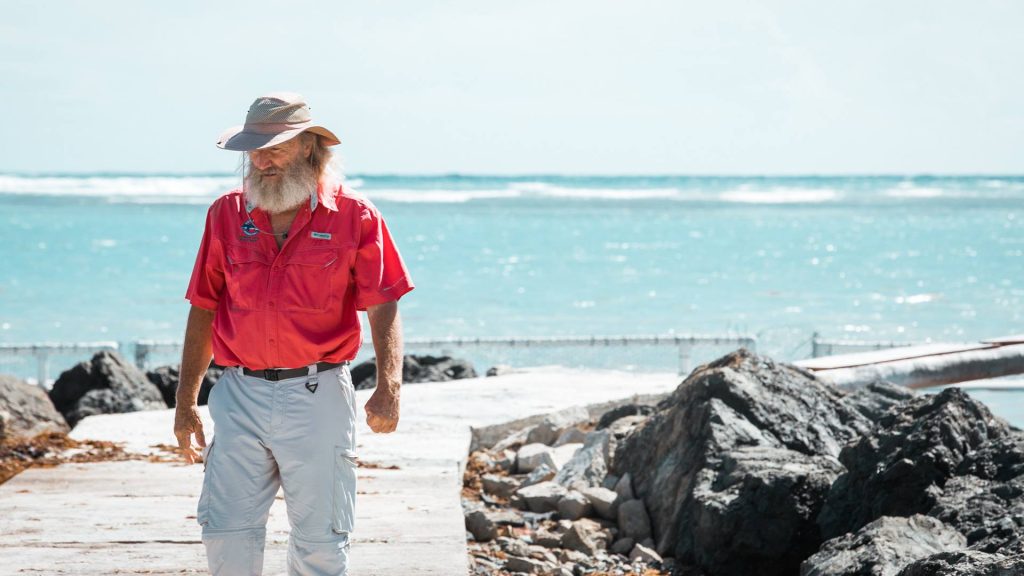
(344, 493)
(203, 509)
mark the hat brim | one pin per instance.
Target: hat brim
(239, 139)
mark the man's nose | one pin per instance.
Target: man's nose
(259, 160)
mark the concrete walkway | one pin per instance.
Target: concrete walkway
(138, 517)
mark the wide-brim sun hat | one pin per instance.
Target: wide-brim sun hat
(271, 120)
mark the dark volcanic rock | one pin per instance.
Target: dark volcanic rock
(988, 512)
(416, 369)
(900, 467)
(877, 398)
(26, 410)
(883, 547)
(966, 563)
(736, 463)
(104, 385)
(166, 378)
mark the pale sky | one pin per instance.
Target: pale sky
(474, 86)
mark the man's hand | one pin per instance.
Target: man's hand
(382, 410)
(187, 423)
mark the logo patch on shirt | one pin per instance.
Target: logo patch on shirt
(249, 228)
(321, 235)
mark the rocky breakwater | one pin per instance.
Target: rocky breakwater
(753, 463)
(756, 467)
(541, 501)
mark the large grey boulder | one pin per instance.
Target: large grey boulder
(883, 547)
(901, 466)
(416, 369)
(735, 464)
(106, 384)
(26, 411)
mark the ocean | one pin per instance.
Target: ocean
(91, 257)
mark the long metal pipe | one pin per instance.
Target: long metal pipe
(936, 370)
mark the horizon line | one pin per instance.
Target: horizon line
(510, 175)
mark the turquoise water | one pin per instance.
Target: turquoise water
(104, 257)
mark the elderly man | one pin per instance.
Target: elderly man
(285, 263)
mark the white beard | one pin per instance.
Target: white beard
(295, 185)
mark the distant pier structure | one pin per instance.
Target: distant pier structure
(845, 363)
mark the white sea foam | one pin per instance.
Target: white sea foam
(779, 195)
(438, 195)
(114, 187)
(907, 190)
(544, 189)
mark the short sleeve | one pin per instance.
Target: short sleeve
(380, 274)
(207, 281)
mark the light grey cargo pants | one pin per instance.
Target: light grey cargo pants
(297, 433)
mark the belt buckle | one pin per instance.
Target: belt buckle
(270, 374)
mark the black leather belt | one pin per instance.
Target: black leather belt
(274, 375)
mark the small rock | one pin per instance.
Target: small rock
(533, 455)
(633, 520)
(515, 438)
(514, 546)
(644, 554)
(542, 497)
(585, 536)
(538, 552)
(574, 506)
(501, 486)
(571, 435)
(482, 528)
(505, 460)
(542, 473)
(547, 539)
(527, 565)
(604, 501)
(500, 370)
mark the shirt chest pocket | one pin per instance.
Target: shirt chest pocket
(246, 276)
(310, 277)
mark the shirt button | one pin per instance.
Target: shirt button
(271, 304)
(271, 340)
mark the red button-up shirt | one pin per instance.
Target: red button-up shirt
(294, 306)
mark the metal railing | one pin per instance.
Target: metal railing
(43, 351)
(684, 344)
(821, 347)
(143, 350)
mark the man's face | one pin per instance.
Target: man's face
(271, 162)
(280, 177)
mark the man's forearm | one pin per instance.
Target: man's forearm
(386, 331)
(196, 356)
